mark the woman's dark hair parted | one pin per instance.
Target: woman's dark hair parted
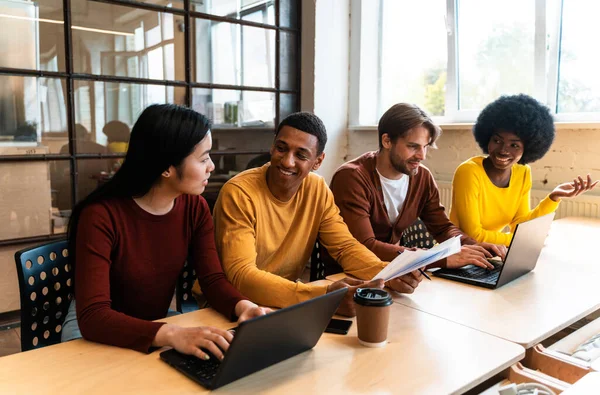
(402, 117)
(522, 115)
(163, 136)
(309, 123)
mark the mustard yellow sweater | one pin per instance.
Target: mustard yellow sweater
(264, 244)
(482, 210)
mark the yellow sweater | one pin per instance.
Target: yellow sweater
(482, 210)
(264, 244)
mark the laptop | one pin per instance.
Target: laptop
(521, 257)
(262, 341)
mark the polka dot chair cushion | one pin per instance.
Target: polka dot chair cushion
(417, 235)
(46, 288)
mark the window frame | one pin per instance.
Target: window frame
(184, 11)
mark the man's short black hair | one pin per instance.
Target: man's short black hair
(308, 123)
(522, 115)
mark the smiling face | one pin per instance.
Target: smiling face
(192, 176)
(407, 152)
(505, 149)
(293, 157)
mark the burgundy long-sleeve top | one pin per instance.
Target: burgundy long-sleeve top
(127, 265)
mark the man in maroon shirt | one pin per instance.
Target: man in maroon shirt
(381, 193)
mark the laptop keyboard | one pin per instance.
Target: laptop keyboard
(196, 367)
(489, 276)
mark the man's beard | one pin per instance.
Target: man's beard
(401, 166)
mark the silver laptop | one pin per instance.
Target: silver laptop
(521, 257)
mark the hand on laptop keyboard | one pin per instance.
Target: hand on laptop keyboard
(498, 250)
(191, 341)
(470, 255)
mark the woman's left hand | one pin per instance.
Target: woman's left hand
(245, 310)
(572, 189)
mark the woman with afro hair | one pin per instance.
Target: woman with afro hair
(492, 192)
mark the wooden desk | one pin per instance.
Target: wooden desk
(574, 241)
(589, 384)
(426, 354)
(560, 291)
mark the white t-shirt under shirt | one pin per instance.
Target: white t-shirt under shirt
(394, 194)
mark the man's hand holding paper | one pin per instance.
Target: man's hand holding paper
(405, 284)
(410, 261)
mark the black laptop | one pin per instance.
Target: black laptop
(521, 257)
(262, 341)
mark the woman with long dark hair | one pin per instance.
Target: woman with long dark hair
(129, 239)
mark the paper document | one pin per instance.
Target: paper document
(409, 261)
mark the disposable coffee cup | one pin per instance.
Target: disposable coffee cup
(372, 316)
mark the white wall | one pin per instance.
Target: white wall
(324, 74)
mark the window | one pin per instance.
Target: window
(452, 57)
(76, 74)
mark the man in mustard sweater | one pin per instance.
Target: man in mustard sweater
(381, 193)
(267, 221)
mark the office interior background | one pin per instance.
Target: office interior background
(75, 74)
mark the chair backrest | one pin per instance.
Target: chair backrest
(317, 266)
(184, 299)
(417, 235)
(46, 288)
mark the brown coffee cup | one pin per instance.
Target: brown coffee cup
(372, 316)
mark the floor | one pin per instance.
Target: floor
(10, 341)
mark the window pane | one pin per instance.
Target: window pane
(32, 35)
(288, 60)
(238, 140)
(413, 70)
(126, 42)
(91, 173)
(578, 80)
(169, 3)
(231, 54)
(495, 50)
(106, 111)
(31, 194)
(34, 118)
(260, 11)
(228, 165)
(232, 109)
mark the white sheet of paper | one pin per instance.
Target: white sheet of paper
(409, 261)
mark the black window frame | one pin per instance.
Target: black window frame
(69, 77)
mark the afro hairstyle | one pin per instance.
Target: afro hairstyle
(522, 115)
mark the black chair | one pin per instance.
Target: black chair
(184, 299)
(317, 266)
(46, 288)
(417, 235)
(322, 264)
